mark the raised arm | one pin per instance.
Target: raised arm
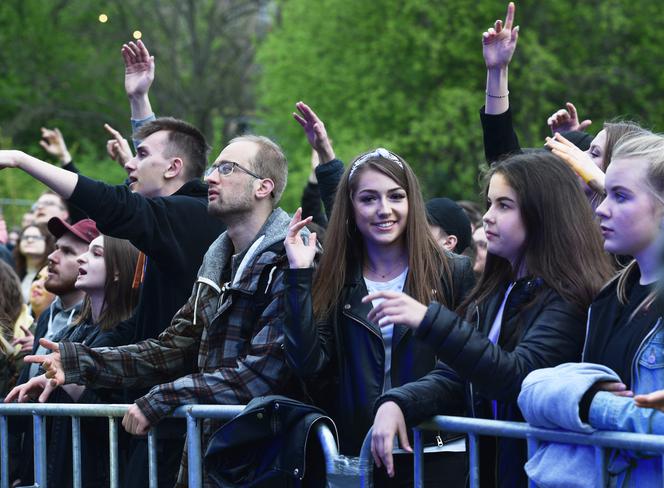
(57, 179)
(139, 75)
(329, 169)
(498, 45)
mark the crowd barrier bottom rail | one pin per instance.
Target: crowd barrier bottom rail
(600, 440)
(192, 413)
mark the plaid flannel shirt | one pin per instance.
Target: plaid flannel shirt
(219, 349)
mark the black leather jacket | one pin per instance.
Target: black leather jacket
(547, 331)
(342, 360)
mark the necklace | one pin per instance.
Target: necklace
(389, 272)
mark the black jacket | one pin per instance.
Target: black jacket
(174, 232)
(539, 329)
(343, 358)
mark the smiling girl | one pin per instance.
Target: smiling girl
(379, 241)
(544, 265)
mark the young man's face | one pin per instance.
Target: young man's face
(62, 264)
(147, 169)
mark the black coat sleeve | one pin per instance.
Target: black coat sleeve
(311, 204)
(308, 345)
(328, 176)
(500, 140)
(554, 336)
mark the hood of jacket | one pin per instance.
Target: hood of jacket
(272, 232)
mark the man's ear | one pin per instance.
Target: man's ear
(265, 188)
(450, 242)
(175, 168)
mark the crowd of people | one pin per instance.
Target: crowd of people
(188, 284)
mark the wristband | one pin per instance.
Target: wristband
(497, 96)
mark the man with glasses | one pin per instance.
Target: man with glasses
(227, 339)
(47, 206)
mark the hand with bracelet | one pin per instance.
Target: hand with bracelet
(498, 45)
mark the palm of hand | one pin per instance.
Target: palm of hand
(299, 254)
(138, 78)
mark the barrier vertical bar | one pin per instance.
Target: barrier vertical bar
(113, 450)
(4, 453)
(366, 462)
(418, 459)
(328, 444)
(76, 451)
(533, 444)
(152, 458)
(600, 466)
(194, 462)
(39, 437)
(474, 460)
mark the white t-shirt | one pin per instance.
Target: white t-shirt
(387, 330)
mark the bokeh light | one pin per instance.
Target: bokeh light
(137, 34)
(103, 18)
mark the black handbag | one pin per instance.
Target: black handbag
(268, 445)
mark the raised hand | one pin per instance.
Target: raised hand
(651, 400)
(396, 308)
(54, 144)
(50, 362)
(38, 388)
(139, 69)
(499, 41)
(566, 119)
(300, 255)
(389, 421)
(314, 129)
(118, 148)
(578, 160)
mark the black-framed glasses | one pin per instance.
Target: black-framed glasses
(226, 168)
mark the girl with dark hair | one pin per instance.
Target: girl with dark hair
(544, 265)
(381, 242)
(105, 274)
(35, 243)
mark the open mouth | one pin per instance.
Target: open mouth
(82, 272)
(131, 180)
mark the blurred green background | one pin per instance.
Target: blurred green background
(405, 74)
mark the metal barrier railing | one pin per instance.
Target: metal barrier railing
(600, 440)
(192, 414)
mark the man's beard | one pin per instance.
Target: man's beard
(58, 287)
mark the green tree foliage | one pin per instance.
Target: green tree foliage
(61, 67)
(409, 74)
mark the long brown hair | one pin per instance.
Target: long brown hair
(11, 300)
(563, 244)
(20, 261)
(120, 298)
(426, 261)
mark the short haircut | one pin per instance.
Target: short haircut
(269, 162)
(184, 141)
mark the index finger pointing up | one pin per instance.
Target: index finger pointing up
(509, 18)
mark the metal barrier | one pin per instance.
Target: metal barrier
(600, 440)
(192, 414)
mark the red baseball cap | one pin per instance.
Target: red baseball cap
(85, 229)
